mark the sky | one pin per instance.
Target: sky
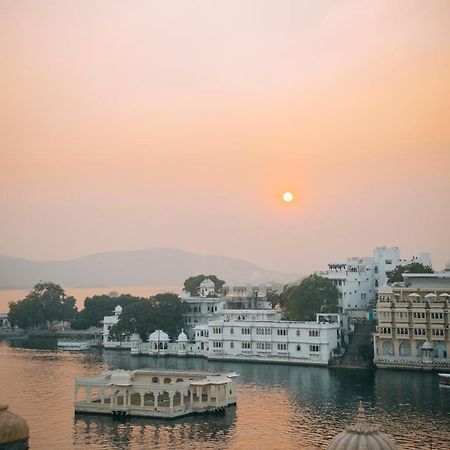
(137, 124)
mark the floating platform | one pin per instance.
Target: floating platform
(154, 393)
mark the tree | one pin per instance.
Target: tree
(46, 303)
(99, 306)
(415, 267)
(192, 284)
(313, 295)
(161, 312)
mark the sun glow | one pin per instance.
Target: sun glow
(288, 197)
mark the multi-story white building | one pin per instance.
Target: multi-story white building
(413, 323)
(238, 302)
(274, 341)
(358, 279)
(267, 341)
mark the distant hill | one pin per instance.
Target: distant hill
(156, 266)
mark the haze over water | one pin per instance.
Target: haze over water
(279, 407)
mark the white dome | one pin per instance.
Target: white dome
(118, 309)
(182, 337)
(361, 435)
(159, 336)
(135, 337)
(120, 377)
(427, 346)
(207, 284)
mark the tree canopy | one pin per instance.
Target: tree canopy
(192, 284)
(46, 303)
(163, 311)
(415, 267)
(99, 306)
(313, 295)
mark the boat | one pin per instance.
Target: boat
(444, 379)
(74, 346)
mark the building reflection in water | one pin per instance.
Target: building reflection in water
(135, 433)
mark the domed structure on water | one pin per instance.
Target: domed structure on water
(361, 436)
(14, 431)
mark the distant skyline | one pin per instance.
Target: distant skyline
(131, 125)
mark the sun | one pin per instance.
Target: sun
(288, 197)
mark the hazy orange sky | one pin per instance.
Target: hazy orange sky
(134, 124)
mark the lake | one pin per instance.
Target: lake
(279, 406)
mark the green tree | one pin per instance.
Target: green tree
(99, 306)
(163, 311)
(415, 267)
(313, 295)
(46, 303)
(192, 284)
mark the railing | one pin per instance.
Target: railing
(410, 362)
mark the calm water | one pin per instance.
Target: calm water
(279, 407)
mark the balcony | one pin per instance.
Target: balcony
(411, 362)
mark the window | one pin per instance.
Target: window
(231, 344)
(313, 348)
(420, 332)
(402, 331)
(245, 331)
(282, 346)
(246, 345)
(217, 330)
(314, 333)
(231, 330)
(298, 332)
(299, 347)
(217, 344)
(438, 332)
(388, 261)
(281, 332)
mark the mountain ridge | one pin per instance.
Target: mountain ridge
(150, 266)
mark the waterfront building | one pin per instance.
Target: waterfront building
(358, 278)
(150, 393)
(273, 341)
(312, 342)
(413, 323)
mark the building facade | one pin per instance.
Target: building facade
(413, 323)
(358, 278)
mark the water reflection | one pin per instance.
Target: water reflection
(281, 407)
(134, 433)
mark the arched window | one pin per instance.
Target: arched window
(405, 349)
(388, 348)
(440, 351)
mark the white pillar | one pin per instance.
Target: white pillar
(156, 394)
(171, 394)
(142, 399)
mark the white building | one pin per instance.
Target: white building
(358, 279)
(273, 341)
(270, 341)
(108, 323)
(207, 288)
